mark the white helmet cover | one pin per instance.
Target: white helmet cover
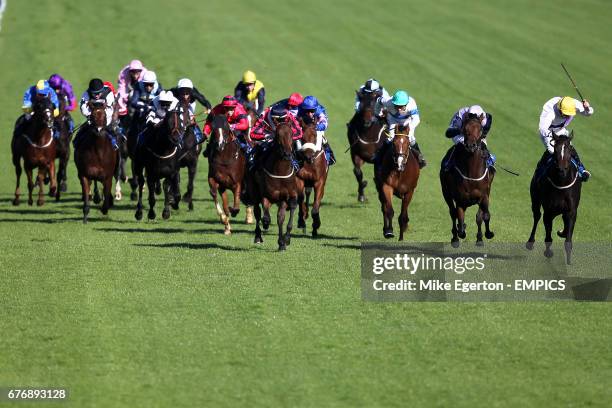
(476, 110)
(185, 83)
(149, 77)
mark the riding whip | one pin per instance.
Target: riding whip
(573, 83)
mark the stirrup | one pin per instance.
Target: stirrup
(585, 175)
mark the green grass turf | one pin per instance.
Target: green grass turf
(173, 313)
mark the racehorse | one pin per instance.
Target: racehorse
(556, 188)
(190, 153)
(468, 182)
(277, 182)
(95, 159)
(159, 155)
(396, 173)
(365, 136)
(37, 147)
(314, 175)
(62, 149)
(226, 169)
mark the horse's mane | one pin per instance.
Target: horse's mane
(219, 122)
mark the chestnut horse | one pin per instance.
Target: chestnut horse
(365, 136)
(468, 182)
(226, 169)
(159, 156)
(37, 147)
(396, 173)
(277, 182)
(314, 175)
(96, 160)
(556, 189)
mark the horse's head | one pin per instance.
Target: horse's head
(401, 147)
(175, 126)
(221, 132)
(98, 114)
(309, 140)
(562, 153)
(472, 132)
(43, 110)
(367, 102)
(284, 140)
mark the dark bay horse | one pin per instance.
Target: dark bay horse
(226, 169)
(37, 147)
(314, 175)
(62, 149)
(397, 173)
(158, 156)
(365, 137)
(468, 182)
(277, 182)
(556, 189)
(96, 160)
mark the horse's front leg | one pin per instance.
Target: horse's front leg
(151, 184)
(17, 164)
(266, 219)
(548, 224)
(40, 180)
(292, 207)
(214, 192)
(107, 186)
(140, 180)
(537, 214)
(53, 190)
(236, 191)
(479, 225)
(361, 184)
(569, 223)
(461, 222)
(280, 220)
(226, 212)
(166, 185)
(257, 213)
(96, 194)
(85, 191)
(386, 200)
(191, 173)
(319, 191)
(403, 219)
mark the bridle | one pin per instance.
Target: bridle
(476, 146)
(399, 158)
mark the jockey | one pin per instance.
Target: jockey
(250, 92)
(129, 76)
(236, 118)
(98, 93)
(264, 129)
(456, 125)
(34, 92)
(186, 91)
(144, 92)
(292, 103)
(401, 109)
(557, 114)
(161, 105)
(63, 88)
(371, 85)
(311, 110)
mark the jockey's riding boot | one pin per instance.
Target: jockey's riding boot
(419, 155)
(206, 151)
(329, 154)
(112, 137)
(582, 172)
(56, 131)
(198, 134)
(489, 157)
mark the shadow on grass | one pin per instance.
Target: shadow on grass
(169, 230)
(28, 210)
(189, 245)
(356, 247)
(55, 220)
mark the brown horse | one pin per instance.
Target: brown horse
(37, 147)
(396, 173)
(314, 175)
(159, 156)
(277, 182)
(226, 169)
(556, 188)
(468, 182)
(62, 150)
(190, 153)
(365, 136)
(95, 159)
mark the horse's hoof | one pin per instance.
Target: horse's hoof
(40, 202)
(157, 188)
(118, 196)
(455, 243)
(138, 215)
(561, 234)
(96, 198)
(51, 193)
(301, 224)
(489, 234)
(175, 205)
(258, 240)
(151, 214)
(63, 187)
(30, 201)
(529, 245)
(315, 233)
(361, 199)
(480, 243)
(16, 201)
(282, 247)
(287, 239)
(364, 184)
(388, 234)
(548, 253)
(104, 210)
(234, 211)
(133, 196)
(57, 197)
(461, 234)
(265, 224)
(46, 180)
(84, 220)
(190, 206)
(165, 214)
